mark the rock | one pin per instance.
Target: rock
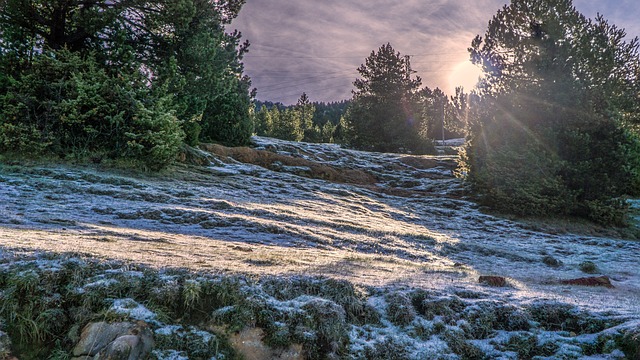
(124, 347)
(603, 281)
(116, 341)
(497, 281)
(5, 346)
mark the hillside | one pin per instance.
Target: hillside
(304, 227)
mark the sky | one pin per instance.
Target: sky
(316, 46)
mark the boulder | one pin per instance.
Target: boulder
(115, 341)
(497, 281)
(603, 281)
(5, 346)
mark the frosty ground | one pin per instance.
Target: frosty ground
(411, 229)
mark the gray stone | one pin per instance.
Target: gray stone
(128, 347)
(5, 346)
(117, 341)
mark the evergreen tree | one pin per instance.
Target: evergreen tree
(383, 114)
(260, 124)
(548, 135)
(305, 111)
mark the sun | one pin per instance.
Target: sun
(465, 74)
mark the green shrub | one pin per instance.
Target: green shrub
(527, 346)
(399, 309)
(66, 105)
(461, 346)
(583, 168)
(588, 267)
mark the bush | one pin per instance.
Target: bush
(66, 105)
(588, 267)
(548, 127)
(399, 309)
(577, 167)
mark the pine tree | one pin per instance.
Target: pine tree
(383, 114)
(548, 135)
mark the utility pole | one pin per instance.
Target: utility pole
(443, 122)
(407, 65)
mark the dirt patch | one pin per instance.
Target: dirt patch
(285, 163)
(495, 281)
(590, 281)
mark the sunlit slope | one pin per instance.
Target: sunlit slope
(410, 226)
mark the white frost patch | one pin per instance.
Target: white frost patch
(100, 283)
(169, 355)
(134, 310)
(127, 273)
(170, 330)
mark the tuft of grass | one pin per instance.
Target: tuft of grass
(551, 261)
(450, 308)
(389, 349)
(194, 343)
(629, 343)
(458, 344)
(191, 292)
(527, 346)
(343, 293)
(588, 267)
(400, 311)
(555, 316)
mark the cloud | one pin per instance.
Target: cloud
(316, 46)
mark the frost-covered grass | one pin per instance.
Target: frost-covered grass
(44, 312)
(363, 254)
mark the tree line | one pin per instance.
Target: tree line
(432, 113)
(305, 121)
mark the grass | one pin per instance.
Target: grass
(47, 300)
